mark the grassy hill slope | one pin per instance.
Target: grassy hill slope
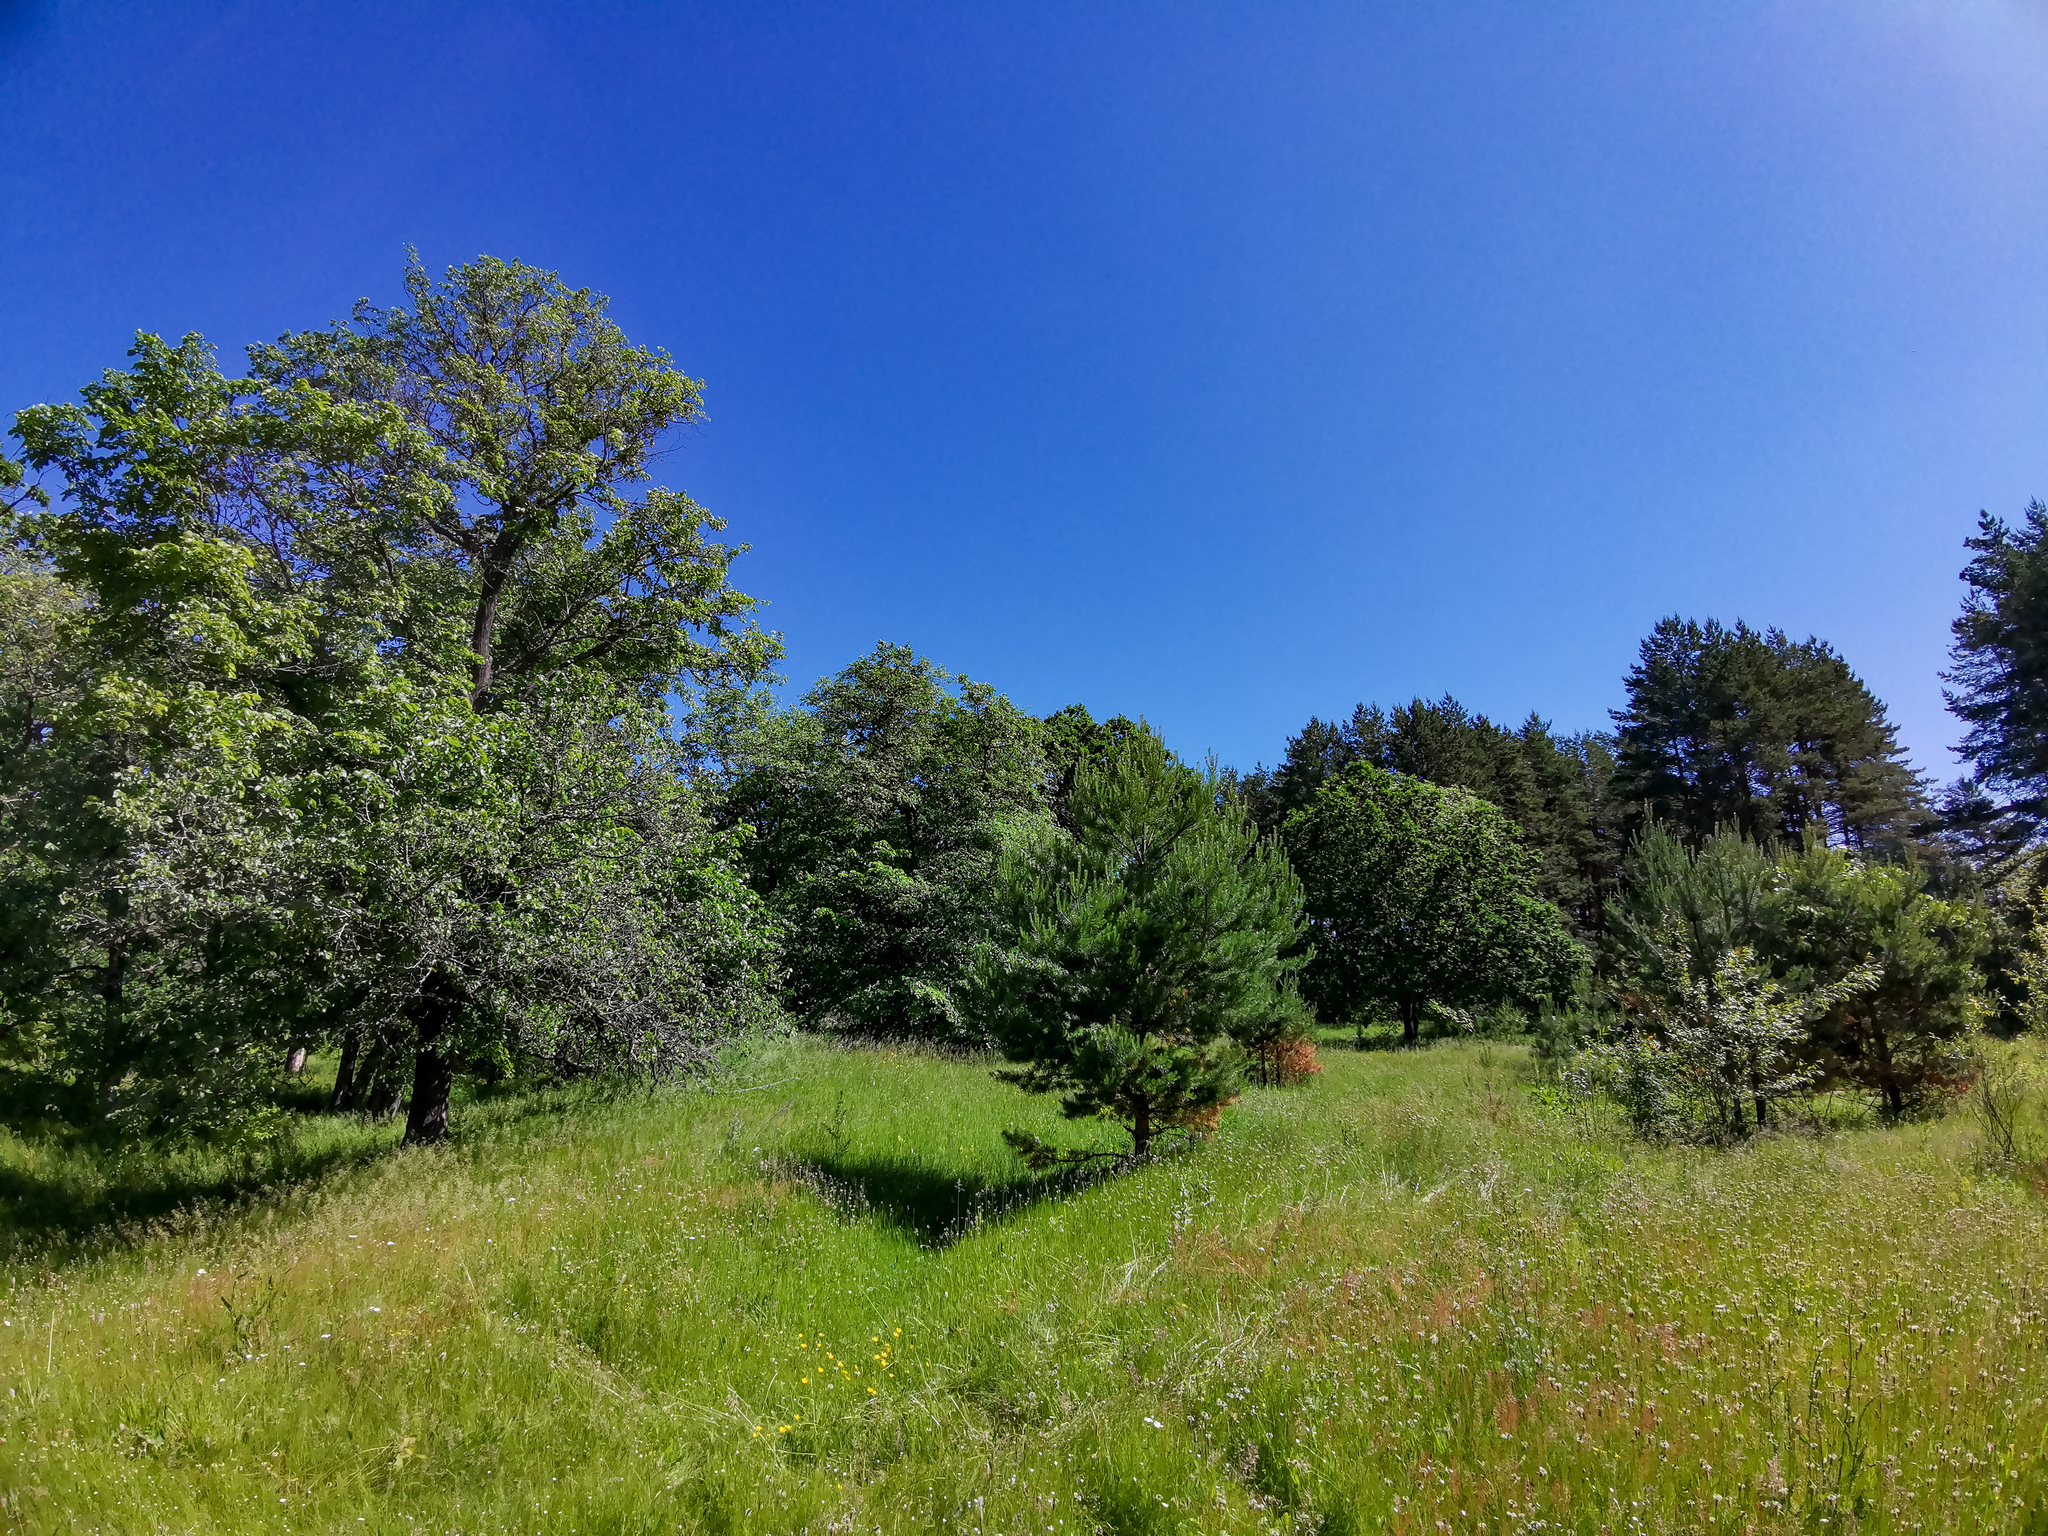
(1408, 1296)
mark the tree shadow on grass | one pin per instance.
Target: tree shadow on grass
(87, 1198)
(934, 1206)
(63, 1190)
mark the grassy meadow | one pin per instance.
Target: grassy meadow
(1412, 1296)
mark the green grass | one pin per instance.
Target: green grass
(1407, 1297)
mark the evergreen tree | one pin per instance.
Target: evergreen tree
(1725, 1046)
(1770, 735)
(1073, 741)
(1889, 968)
(1903, 1030)
(1142, 945)
(1698, 905)
(2000, 664)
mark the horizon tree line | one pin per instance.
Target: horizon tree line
(378, 700)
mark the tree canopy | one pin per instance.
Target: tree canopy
(1554, 790)
(876, 808)
(2000, 661)
(353, 721)
(1418, 894)
(1770, 735)
(380, 698)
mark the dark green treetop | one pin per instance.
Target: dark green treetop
(1553, 789)
(1999, 666)
(876, 809)
(1746, 728)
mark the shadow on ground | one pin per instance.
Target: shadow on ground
(119, 1196)
(62, 1186)
(930, 1204)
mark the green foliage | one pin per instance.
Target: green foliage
(876, 809)
(501, 526)
(1884, 970)
(1908, 1033)
(1141, 944)
(1554, 790)
(1736, 727)
(341, 716)
(1560, 1027)
(2031, 968)
(2000, 671)
(139, 649)
(1073, 740)
(1725, 1046)
(1420, 895)
(1682, 910)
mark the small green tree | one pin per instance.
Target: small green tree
(1681, 910)
(1884, 971)
(1418, 894)
(1140, 945)
(1732, 1038)
(1905, 1032)
(2030, 972)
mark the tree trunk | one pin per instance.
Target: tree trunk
(377, 1087)
(1887, 1077)
(295, 1061)
(1141, 1129)
(495, 567)
(433, 1073)
(113, 1020)
(1411, 1021)
(386, 1092)
(344, 1075)
(370, 1071)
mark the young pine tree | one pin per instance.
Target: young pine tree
(1142, 945)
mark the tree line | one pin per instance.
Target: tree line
(377, 700)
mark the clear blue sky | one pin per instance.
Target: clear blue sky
(1221, 364)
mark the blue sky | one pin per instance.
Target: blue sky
(1223, 364)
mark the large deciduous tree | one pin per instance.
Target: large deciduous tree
(1142, 944)
(503, 525)
(1418, 894)
(369, 673)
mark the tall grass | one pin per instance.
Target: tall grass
(1407, 1297)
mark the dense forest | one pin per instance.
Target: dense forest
(377, 701)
